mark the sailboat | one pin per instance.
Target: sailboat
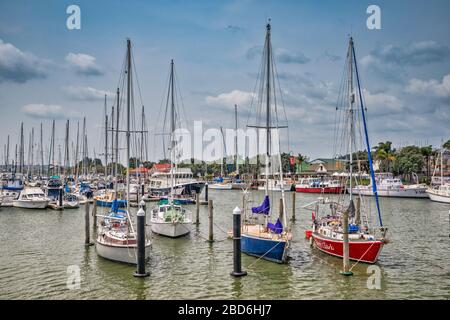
(169, 218)
(116, 236)
(269, 241)
(343, 229)
(441, 192)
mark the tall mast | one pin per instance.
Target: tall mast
(21, 149)
(42, 152)
(172, 129)
(29, 155)
(116, 153)
(346, 248)
(128, 119)
(52, 149)
(7, 154)
(112, 140)
(442, 168)
(106, 140)
(66, 149)
(32, 149)
(77, 147)
(268, 109)
(236, 139)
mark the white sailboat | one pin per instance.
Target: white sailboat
(440, 193)
(116, 237)
(170, 219)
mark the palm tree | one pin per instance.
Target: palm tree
(427, 152)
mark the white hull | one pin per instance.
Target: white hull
(399, 193)
(172, 230)
(218, 186)
(30, 204)
(439, 198)
(125, 254)
(278, 189)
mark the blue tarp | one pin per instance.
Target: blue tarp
(218, 179)
(353, 228)
(264, 207)
(277, 227)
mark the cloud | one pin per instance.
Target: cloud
(332, 57)
(281, 55)
(44, 111)
(284, 56)
(83, 64)
(382, 103)
(18, 66)
(415, 53)
(234, 28)
(228, 100)
(438, 89)
(86, 93)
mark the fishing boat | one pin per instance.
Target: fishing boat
(388, 186)
(170, 219)
(160, 182)
(31, 198)
(267, 240)
(317, 185)
(343, 229)
(106, 198)
(116, 237)
(440, 192)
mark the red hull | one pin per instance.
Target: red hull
(319, 190)
(363, 251)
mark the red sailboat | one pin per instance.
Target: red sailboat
(342, 229)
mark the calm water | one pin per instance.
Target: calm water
(38, 246)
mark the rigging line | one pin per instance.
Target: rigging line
(137, 78)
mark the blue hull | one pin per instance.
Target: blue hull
(258, 247)
(122, 203)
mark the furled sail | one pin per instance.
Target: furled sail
(264, 207)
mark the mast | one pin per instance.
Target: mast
(268, 109)
(51, 156)
(442, 168)
(128, 119)
(42, 153)
(172, 129)
(116, 153)
(21, 150)
(112, 140)
(236, 140)
(77, 150)
(346, 247)
(106, 140)
(7, 154)
(83, 143)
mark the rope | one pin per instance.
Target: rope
(263, 255)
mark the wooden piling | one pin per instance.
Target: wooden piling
(211, 221)
(197, 210)
(87, 239)
(293, 207)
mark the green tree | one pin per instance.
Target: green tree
(447, 145)
(409, 160)
(427, 152)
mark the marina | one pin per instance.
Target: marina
(254, 164)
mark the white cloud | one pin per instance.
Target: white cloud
(18, 66)
(86, 93)
(382, 103)
(439, 89)
(228, 100)
(83, 64)
(44, 111)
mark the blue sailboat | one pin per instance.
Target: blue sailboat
(269, 241)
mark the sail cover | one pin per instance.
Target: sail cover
(264, 207)
(276, 228)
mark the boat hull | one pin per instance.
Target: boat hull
(120, 253)
(363, 251)
(218, 186)
(102, 203)
(169, 229)
(396, 193)
(268, 249)
(319, 190)
(30, 204)
(438, 197)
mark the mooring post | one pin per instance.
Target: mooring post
(197, 209)
(60, 198)
(206, 192)
(211, 223)
(293, 207)
(140, 272)
(94, 215)
(237, 266)
(87, 239)
(142, 191)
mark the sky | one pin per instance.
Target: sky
(50, 72)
